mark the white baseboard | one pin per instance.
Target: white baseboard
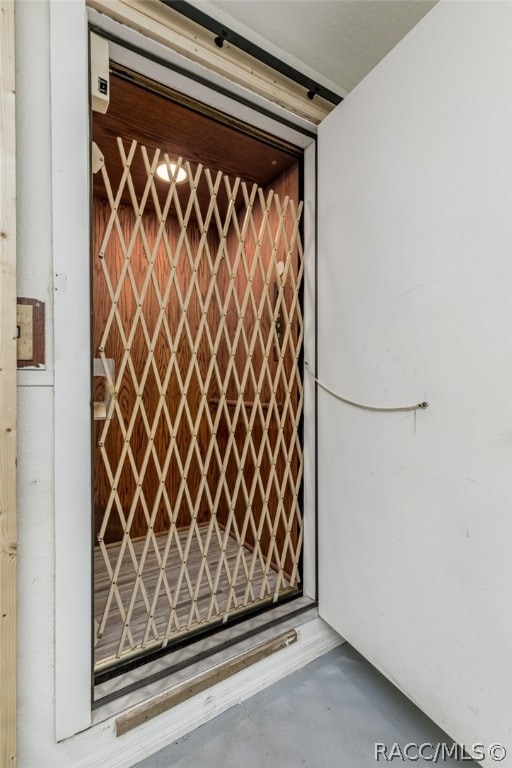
(314, 639)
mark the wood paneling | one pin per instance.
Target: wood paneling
(286, 185)
(127, 390)
(8, 520)
(127, 386)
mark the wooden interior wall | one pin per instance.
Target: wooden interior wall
(114, 259)
(287, 184)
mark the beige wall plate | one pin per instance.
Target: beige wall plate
(30, 333)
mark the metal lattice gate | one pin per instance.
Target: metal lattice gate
(197, 338)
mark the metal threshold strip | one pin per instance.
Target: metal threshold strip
(224, 34)
(138, 683)
(165, 701)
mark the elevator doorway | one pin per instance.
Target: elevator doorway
(197, 391)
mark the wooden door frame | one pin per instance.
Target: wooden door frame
(8, 521)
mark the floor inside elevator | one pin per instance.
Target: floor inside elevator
(221, 578)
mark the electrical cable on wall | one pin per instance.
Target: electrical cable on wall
(417, 407)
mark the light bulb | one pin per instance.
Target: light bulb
(162, 171)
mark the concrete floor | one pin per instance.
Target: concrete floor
(329, 714)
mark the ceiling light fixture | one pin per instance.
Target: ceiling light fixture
(162, 171)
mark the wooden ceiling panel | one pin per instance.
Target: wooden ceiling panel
(157, 122)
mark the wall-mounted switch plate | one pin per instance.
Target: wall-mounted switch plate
(100, 74)
(25, 331)
(30, 333)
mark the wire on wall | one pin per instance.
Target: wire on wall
(417, 407)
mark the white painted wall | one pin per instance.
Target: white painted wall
(69, 79)
(415, 280)
(35, 391)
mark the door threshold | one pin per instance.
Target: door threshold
(178, 694)
(137, 685)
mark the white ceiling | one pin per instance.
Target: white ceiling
(337, 42)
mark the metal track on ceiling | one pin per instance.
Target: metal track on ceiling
(225, 34)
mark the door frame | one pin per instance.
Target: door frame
(71, 196)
